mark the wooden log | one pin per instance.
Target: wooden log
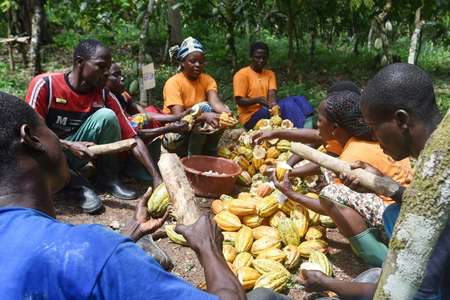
(378, 184)
(424, 214)
(181, 193)
(112, 148)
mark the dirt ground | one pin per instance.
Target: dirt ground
(117, 213)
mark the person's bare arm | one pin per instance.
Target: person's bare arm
(176, 127)
(301, 135)
(272, 98)
(79, 149)
(216, 104)
(308, 169)
(141, 153)
(316, 281)
(244, 102)
(205, 238)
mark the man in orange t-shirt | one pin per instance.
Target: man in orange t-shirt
(255, 87)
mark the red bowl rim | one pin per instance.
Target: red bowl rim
(196, 172)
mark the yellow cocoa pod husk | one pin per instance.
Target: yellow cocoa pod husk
(242, 162)
(287, 124)
(264, 190)
(264, 243)
(252, 221)
(241, 207)
(315, 233)
(322, 260)
(276, 120)
(267, 206)
(175, 237)
(275, 219)
(229, 252)
(251, 170)
(244, 239)
(244, 179)
(243, 259)
(307, 247)
(247, 276)
(275, 281)
(327, 221)
(293, 257)
(159, 201)
(314, 218)
(272, 152)
(273, 254)
(262, 124)
(227, 221)
(224, 152)
(288, 232)
(264, 265)
(265, 231)
(229, 237)
(217, 206)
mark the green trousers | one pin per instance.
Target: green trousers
(198, 144)
(102, 127)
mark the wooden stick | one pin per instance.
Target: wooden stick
(112, 148)
(181, 193)
(378, 184)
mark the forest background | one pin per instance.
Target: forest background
(312, 43)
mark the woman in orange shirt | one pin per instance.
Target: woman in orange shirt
(189, 87)
(358, 216)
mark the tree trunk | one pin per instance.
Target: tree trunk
(174, 22)
(36, 37)
(424, 214)
(143, 99)
(370, 35)
(413, 48)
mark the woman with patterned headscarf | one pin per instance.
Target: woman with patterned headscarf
(190, 87)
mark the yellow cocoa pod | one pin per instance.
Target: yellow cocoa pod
(287, 124)
(262, 124)
(246, 152)
(275, 110)
(224, 152)
(327, 221)
(242, 207)
(244, 239)
(273, 254)
(276, 121)
(263, 169)
(322, 260)
(276, 281)
(252, 221)
(259, 152)
(217, 206)
(251, 170)
(242, 162)
(264, 243)
(227, 221)
(314, 218)
(264, 189)
(288, 232)
(245, 178)
(284, 156)
(272, 152)
(247, 277)
(315, 233)
(298, 211)
(307, 265)
(273, 142)
(267, 206)
(271, 162)
(284, 145)
(225, 198)
(232, 268)
(302, 225)
(226, 120)
(264, 265)
(307, 247)
(158, 202)
(288, 206)
(275, 219)
(257, 163)
(175, 237)
(229, 237)
(281, 169)
(265, 231)
(243, 259)
(229, 252)
(312, 195)
(293, 257)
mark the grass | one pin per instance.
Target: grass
(314, 74)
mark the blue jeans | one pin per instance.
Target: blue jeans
(436, 283)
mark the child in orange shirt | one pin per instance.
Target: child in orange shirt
(358, 216)
(255, 91)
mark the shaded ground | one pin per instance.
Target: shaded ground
(117, 213)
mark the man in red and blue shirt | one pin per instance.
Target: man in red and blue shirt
(81, 112)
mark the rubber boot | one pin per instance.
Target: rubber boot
(108, 178)
(89, 201)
